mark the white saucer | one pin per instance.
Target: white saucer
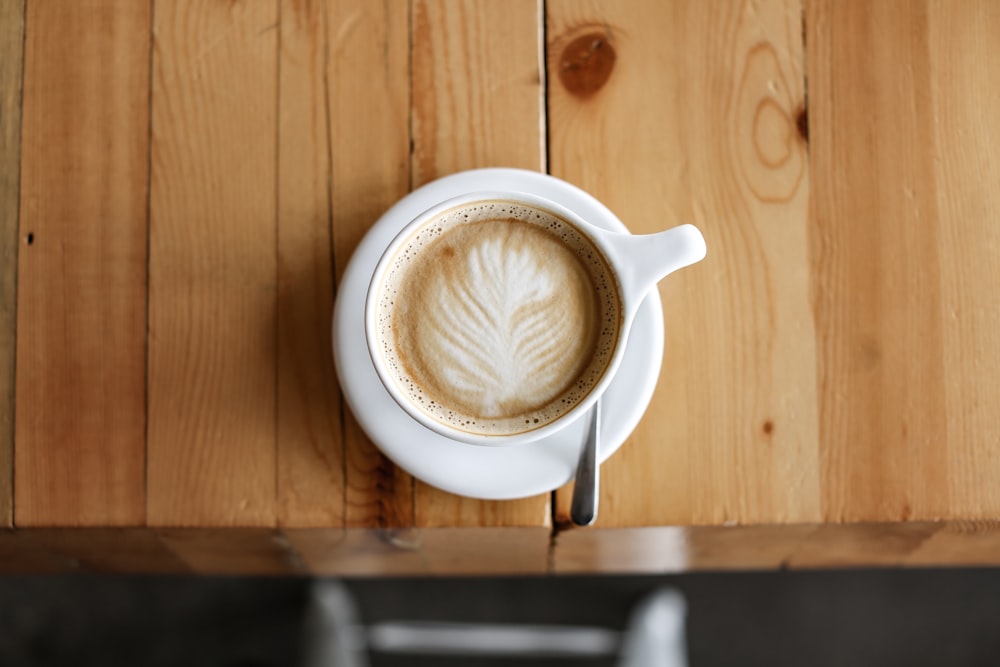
(492, 473)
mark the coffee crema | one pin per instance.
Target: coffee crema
(496, 318)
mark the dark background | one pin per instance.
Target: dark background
(858, 617)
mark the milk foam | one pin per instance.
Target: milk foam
(497, 318)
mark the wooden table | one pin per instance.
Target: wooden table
(182, 183)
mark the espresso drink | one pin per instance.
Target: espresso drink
(496, 318)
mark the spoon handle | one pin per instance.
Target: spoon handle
(583, 508)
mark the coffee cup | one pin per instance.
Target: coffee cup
(498, 318)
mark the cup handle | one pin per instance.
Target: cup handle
(645, 259)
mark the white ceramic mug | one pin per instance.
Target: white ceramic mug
(637, 262)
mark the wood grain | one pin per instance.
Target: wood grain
(238, 551)
(478, 99)
(473, 107)
(905, 239)
(21, 554)
(620, 550)
(110, 550)
(367, 91)
(212, 290)
(965, 63)
(665, 549)
(744, 547)
(861, 544)
(695, 122)
(360, 552)
(11, 61)
(81, 354)
(487, 550)
(469, 551)
(310, 448)
(959, 543)
(795, 546)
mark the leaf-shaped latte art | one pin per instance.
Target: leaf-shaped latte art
(504, 322)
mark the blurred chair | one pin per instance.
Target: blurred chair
(337, 637)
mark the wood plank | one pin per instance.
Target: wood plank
(965, 66)
(81, 357)
(685, 111)
(11, 61)
(959, 543)
(485, 550)
(765, 547)
(233, 551)
(212, 290)
(877, 282)
(471, 551)
(769, 547)
(360, 552)
(665, 549)
(652, 550)
(367, 96)
(316, 548)
(110, 550)
(861, 544)
(472, 108)
(660, 549)
(905, 192)
(310, 447)
(21, 554)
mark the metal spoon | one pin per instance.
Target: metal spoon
(583, 508)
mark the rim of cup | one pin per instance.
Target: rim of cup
(389, 254)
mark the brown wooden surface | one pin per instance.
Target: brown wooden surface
(11, 59)
(793, 546)
(676, 548)
(81, 354)
(959, 543)
(904, 248)
(212, 273)
(473, 109)
(359, 552)
(110, 550)
(367, 96)
(478, 551)
(21, 554)
(232, 550)
(696, 124)
(425, 551)
(831, 369)
(310, 451)
(966, 159)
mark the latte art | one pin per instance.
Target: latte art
(502, 327)
(497, 318)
